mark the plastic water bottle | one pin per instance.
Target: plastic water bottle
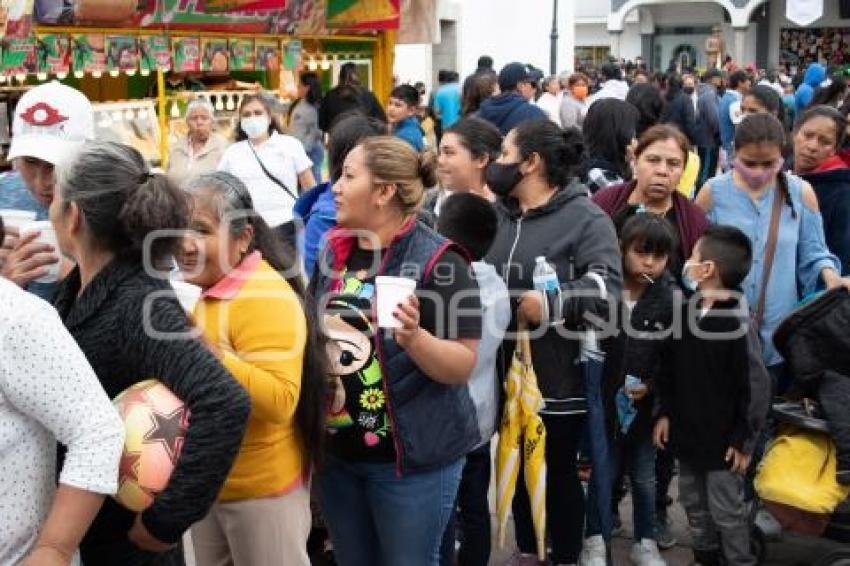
(545, 280)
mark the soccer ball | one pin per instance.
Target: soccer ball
(155, 423)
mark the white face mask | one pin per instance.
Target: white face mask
(255, 126)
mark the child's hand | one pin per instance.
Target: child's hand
(661, 434)
(637, 392)
(740, 461)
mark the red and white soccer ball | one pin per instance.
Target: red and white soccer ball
(155, 424)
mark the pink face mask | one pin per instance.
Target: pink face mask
(756, 177)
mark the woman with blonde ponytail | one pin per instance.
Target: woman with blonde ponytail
(402, 419)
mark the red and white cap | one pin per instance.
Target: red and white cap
(51, 121)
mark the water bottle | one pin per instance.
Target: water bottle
(545, 280)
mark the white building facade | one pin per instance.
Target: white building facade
(659, 31)
(467, 29)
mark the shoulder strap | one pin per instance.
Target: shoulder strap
(271, 177)
(769, 253)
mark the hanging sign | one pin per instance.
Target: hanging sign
(53, 52)
(155, 52)
(88, 53)
(215, 55)
(292, 57)
(122, 53)
(187, 54)
(19, 57)
(241, 55)
(268, 55)
(803, 12)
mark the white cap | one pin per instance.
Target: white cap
(51, 121)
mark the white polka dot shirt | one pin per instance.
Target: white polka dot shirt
(48, 392)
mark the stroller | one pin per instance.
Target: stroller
(797, 477)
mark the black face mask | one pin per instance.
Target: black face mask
(502, 177)
(689, 90)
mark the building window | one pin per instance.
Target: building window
(592, 56)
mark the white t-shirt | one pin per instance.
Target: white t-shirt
(48, 392)
(284, 157)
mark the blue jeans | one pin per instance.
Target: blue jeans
(317, 156)
(638, 456)
(377, 518)
(471, 517)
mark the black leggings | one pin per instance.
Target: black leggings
(564, 493)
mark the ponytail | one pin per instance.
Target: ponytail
(124, 205)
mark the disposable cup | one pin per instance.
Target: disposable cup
(47, 235)
(391, 291)
(16, 218)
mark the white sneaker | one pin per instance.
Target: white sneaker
(768, 524)
(593, 552)
(645, 553)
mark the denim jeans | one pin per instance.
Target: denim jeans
(638, 460)
(471, 517)
(377, 518)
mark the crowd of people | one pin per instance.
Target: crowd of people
(683, 218)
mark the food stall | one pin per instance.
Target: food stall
(141, 61)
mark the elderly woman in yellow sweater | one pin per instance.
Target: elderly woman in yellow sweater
(252, 315)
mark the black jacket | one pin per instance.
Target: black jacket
(704, 385)
(680, 112)
(508, 109)
(114, 322)
(833, 191)
(580, 241)
(643, 334)
(707, 123)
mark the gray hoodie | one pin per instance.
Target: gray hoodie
(579, 239)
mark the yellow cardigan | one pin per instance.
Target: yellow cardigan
(258, 322)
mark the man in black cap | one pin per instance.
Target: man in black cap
(512, 106)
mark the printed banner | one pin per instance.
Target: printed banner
(88, 52)
(268, 55)
(187, 54)
(122, 53)
(54, 54)
(215, 55)
(212, 6)
(19, 57)
(363, 14)
(241, 55)
(176, 15)
(16, 18)
(155, 52)
(292, 57)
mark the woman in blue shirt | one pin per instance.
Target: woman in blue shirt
(744, 197)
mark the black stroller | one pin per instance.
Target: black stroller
(815, 341)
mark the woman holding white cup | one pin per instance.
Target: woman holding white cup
(401, 420)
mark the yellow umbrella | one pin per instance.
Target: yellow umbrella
(522, 427)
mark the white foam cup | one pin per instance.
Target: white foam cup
(391, 291)
(47, 235)
(16, 218)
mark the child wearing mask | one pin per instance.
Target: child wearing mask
(704, 392)
(402, 113)
(470, 220)
(573, 105)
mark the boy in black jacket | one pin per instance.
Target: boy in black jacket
(704, 392)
